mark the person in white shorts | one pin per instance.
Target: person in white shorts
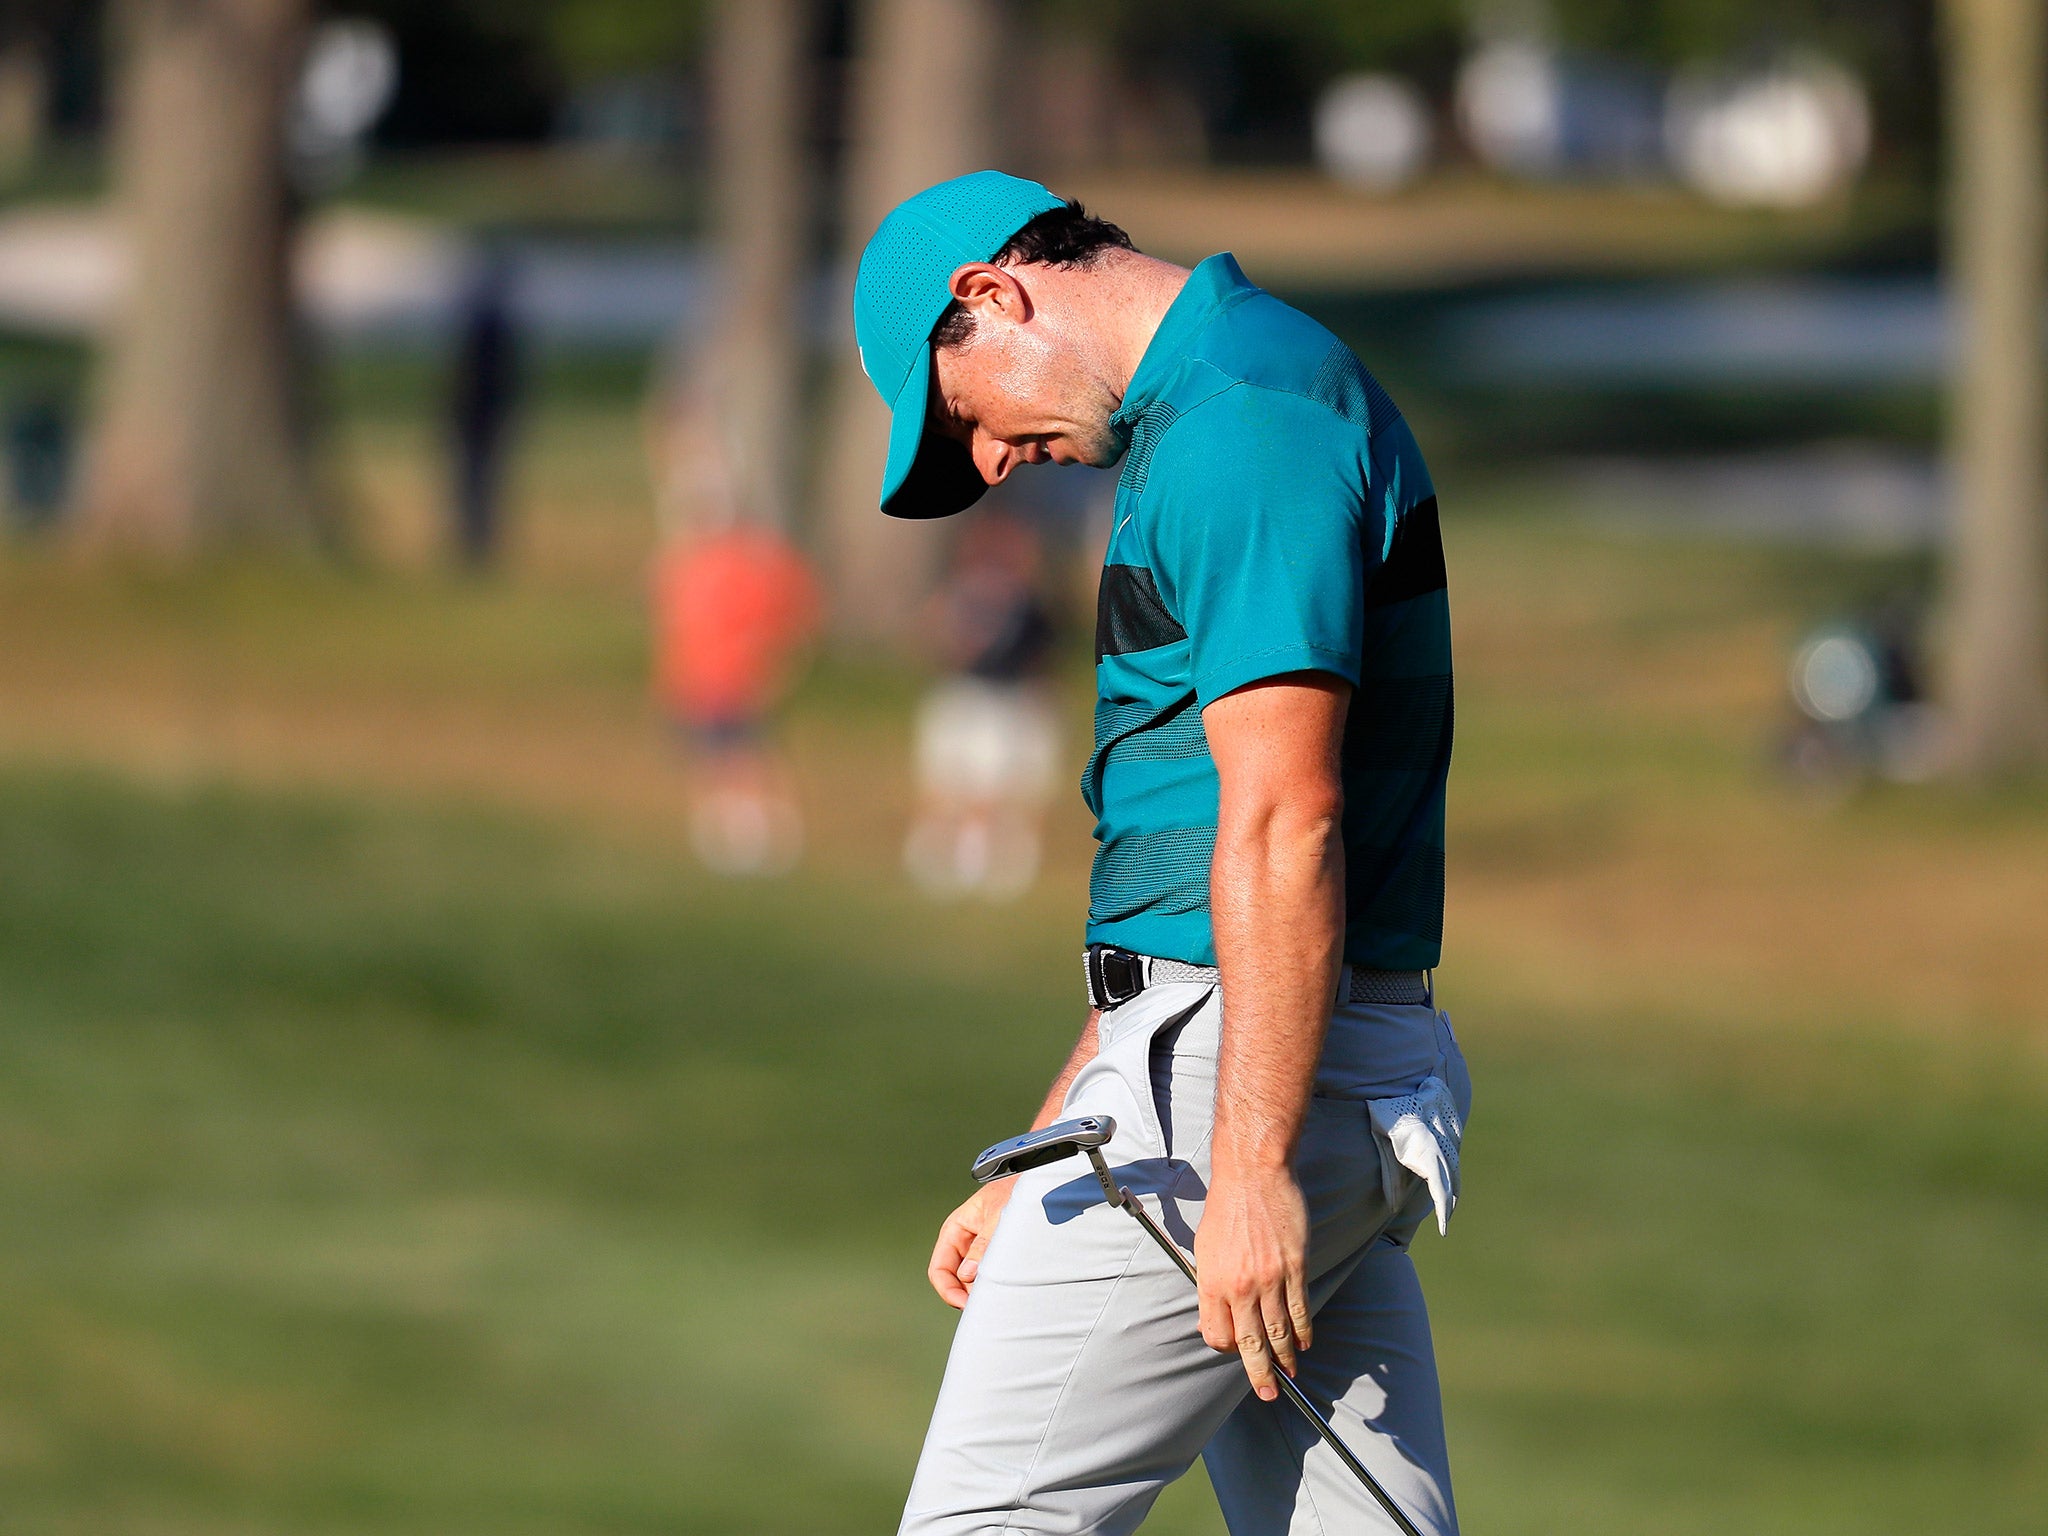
(1272, 743)
(988, 738)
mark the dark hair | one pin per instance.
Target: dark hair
(1059, 237)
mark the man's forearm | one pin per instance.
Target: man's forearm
(1277, 905)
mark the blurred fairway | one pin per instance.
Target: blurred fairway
(398, 1136)
(376, 1169)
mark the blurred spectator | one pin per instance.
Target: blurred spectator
(347, 83)
(39, 439)
(734, 607)
(484, 400)
(1372, 131)
(1862, 710)
(1508, 107)
(1783, 138)
(988, 740)
(1529, 110)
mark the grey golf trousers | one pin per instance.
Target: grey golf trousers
(1079, 1386)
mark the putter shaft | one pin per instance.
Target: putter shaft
(1120, 1196)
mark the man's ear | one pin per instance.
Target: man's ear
(989, 290)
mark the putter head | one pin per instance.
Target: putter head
(1061, 1139)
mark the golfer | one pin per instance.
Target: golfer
(1272, 736)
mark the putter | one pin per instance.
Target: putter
(1088, 1135)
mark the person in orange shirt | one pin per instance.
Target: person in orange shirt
(735, 607)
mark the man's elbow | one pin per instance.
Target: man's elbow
(1299, 826)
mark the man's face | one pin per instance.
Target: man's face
(1025, 391)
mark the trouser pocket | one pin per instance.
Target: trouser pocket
(1164, 1064)
(1145, 1075)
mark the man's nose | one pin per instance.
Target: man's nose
(994, 458)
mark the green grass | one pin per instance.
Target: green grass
(402, 1171)
(378, 1166)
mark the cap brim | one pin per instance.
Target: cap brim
(928, 474)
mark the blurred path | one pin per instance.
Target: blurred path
(368, 274)
(1845, 495)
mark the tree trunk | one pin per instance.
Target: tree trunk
(198, 443)
(24, 99)
(920, 112)
(1996, 679)
(727, 424)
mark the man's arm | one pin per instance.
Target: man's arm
(964, 1238)
(1276, 900)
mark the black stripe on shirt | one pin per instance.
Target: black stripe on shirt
(1130, 615)
(1415, 564)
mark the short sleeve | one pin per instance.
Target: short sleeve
(1258, 535)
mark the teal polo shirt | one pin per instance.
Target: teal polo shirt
(1273, 515)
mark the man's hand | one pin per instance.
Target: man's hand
(964, 1239)
(1251, 1252)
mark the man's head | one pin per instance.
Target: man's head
(972, 309)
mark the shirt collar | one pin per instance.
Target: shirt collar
(1213, 284)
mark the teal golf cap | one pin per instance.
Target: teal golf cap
(899, 294)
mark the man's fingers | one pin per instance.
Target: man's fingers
(1251, 1349)
(1279, 1329)
(971, 1265)
(956, 1258)
(1217, 1331)
(1297, 1308)
(1261, 1330)
(947, 1257)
